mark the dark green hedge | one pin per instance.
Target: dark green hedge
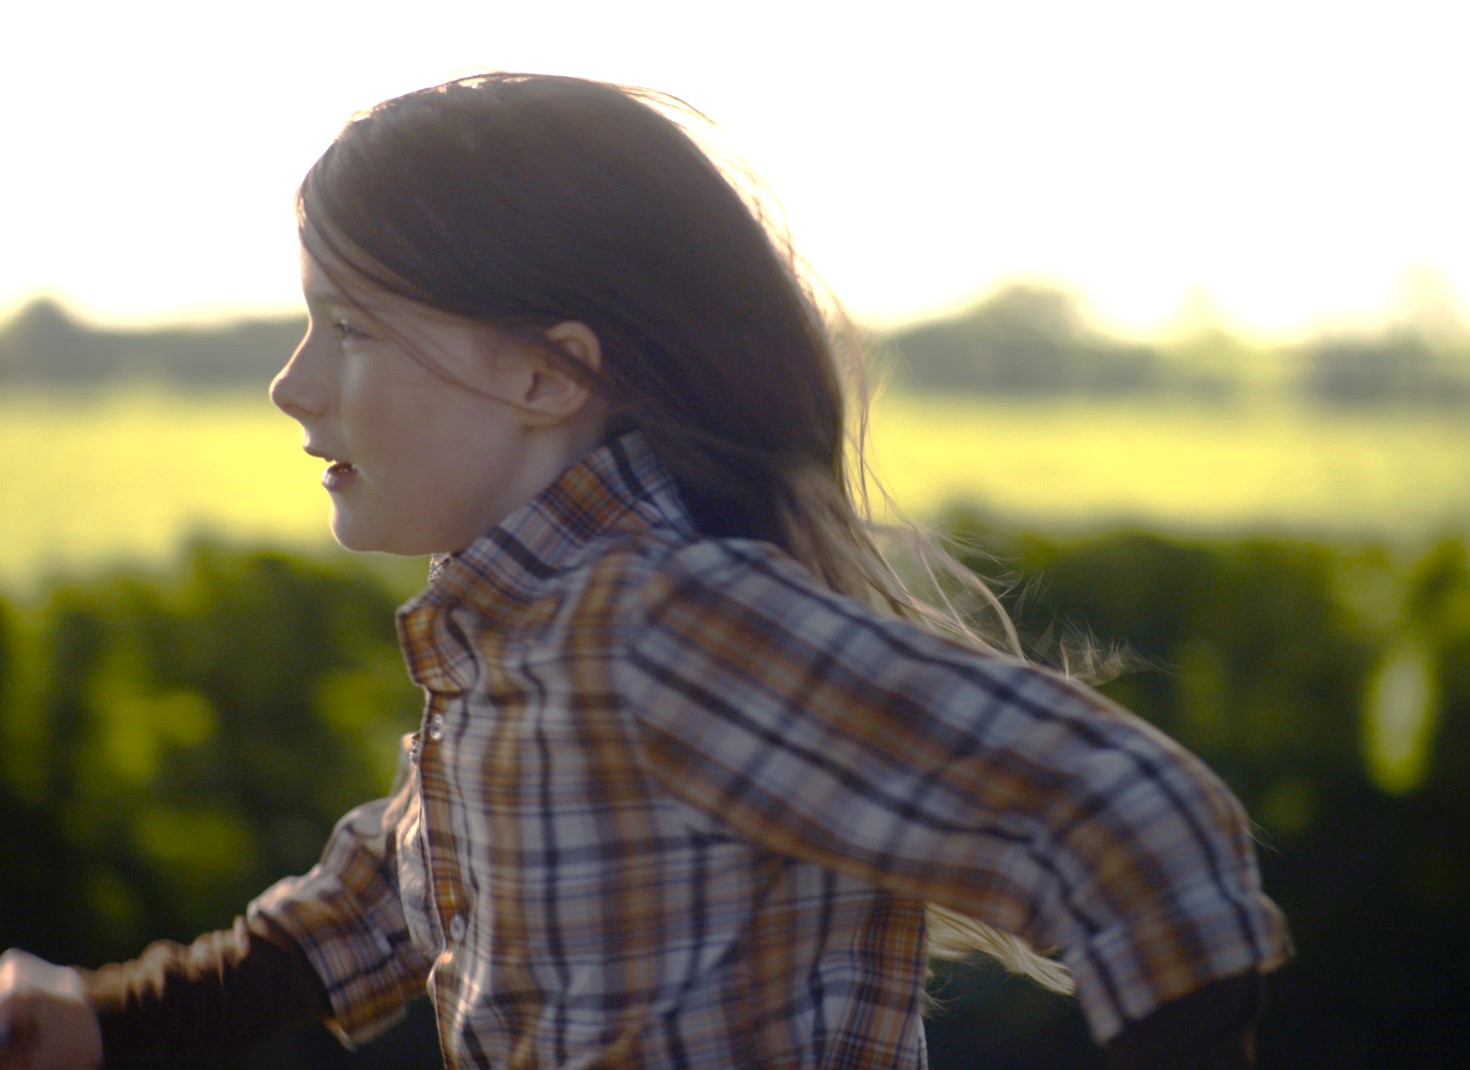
(170, 746)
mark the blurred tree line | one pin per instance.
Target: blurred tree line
(1022, 341)
(170, 746)
(1036, 341)
(43, 344)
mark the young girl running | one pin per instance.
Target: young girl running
(693, 761)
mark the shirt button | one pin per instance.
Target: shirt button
(436, 727)
(457, 928)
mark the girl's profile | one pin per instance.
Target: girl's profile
(699, 781)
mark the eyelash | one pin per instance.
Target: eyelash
(346, 331)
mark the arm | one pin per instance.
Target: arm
(224, 991)
(861, 743)
(329, 946)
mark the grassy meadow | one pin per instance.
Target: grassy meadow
(129, 475)
(1264, 466)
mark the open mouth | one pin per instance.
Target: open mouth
(339, 475)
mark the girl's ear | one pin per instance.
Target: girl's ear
(546, 393)
(577, 339)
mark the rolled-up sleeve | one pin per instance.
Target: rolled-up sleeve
(866, 745)
(347, 917)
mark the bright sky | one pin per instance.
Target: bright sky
(1291, 158)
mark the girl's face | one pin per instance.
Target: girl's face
(415, 411)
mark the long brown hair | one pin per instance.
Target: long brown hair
(525, 200)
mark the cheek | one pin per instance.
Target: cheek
(383, 423)
(437, 473)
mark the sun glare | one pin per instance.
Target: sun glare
(1136, 151)
(1400, 714)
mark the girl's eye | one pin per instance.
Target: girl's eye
(346, 330)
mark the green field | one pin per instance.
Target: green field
(1402, 476)
(130, 475)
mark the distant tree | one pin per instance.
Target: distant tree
(249, 352)
(1024, 340)
(1396, 367)
(43, 343)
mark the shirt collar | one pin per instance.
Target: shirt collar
(620, 486)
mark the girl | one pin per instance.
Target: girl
(691, 764)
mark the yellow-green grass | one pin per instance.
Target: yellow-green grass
(1253, 466)
(130, 475)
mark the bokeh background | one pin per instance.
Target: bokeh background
(1167, 305)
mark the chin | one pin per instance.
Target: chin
(363, 541)
(355, 545)
(353, 537)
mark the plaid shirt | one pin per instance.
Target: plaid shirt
(672, 804)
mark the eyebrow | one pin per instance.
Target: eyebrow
(331, 297)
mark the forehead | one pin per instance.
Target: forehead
(329, 270)
(323, 285)
(453, 346)
(330, 287)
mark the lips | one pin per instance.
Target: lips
(338, 476)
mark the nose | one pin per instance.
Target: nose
(297, 390)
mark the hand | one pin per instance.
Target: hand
(46, 1022)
